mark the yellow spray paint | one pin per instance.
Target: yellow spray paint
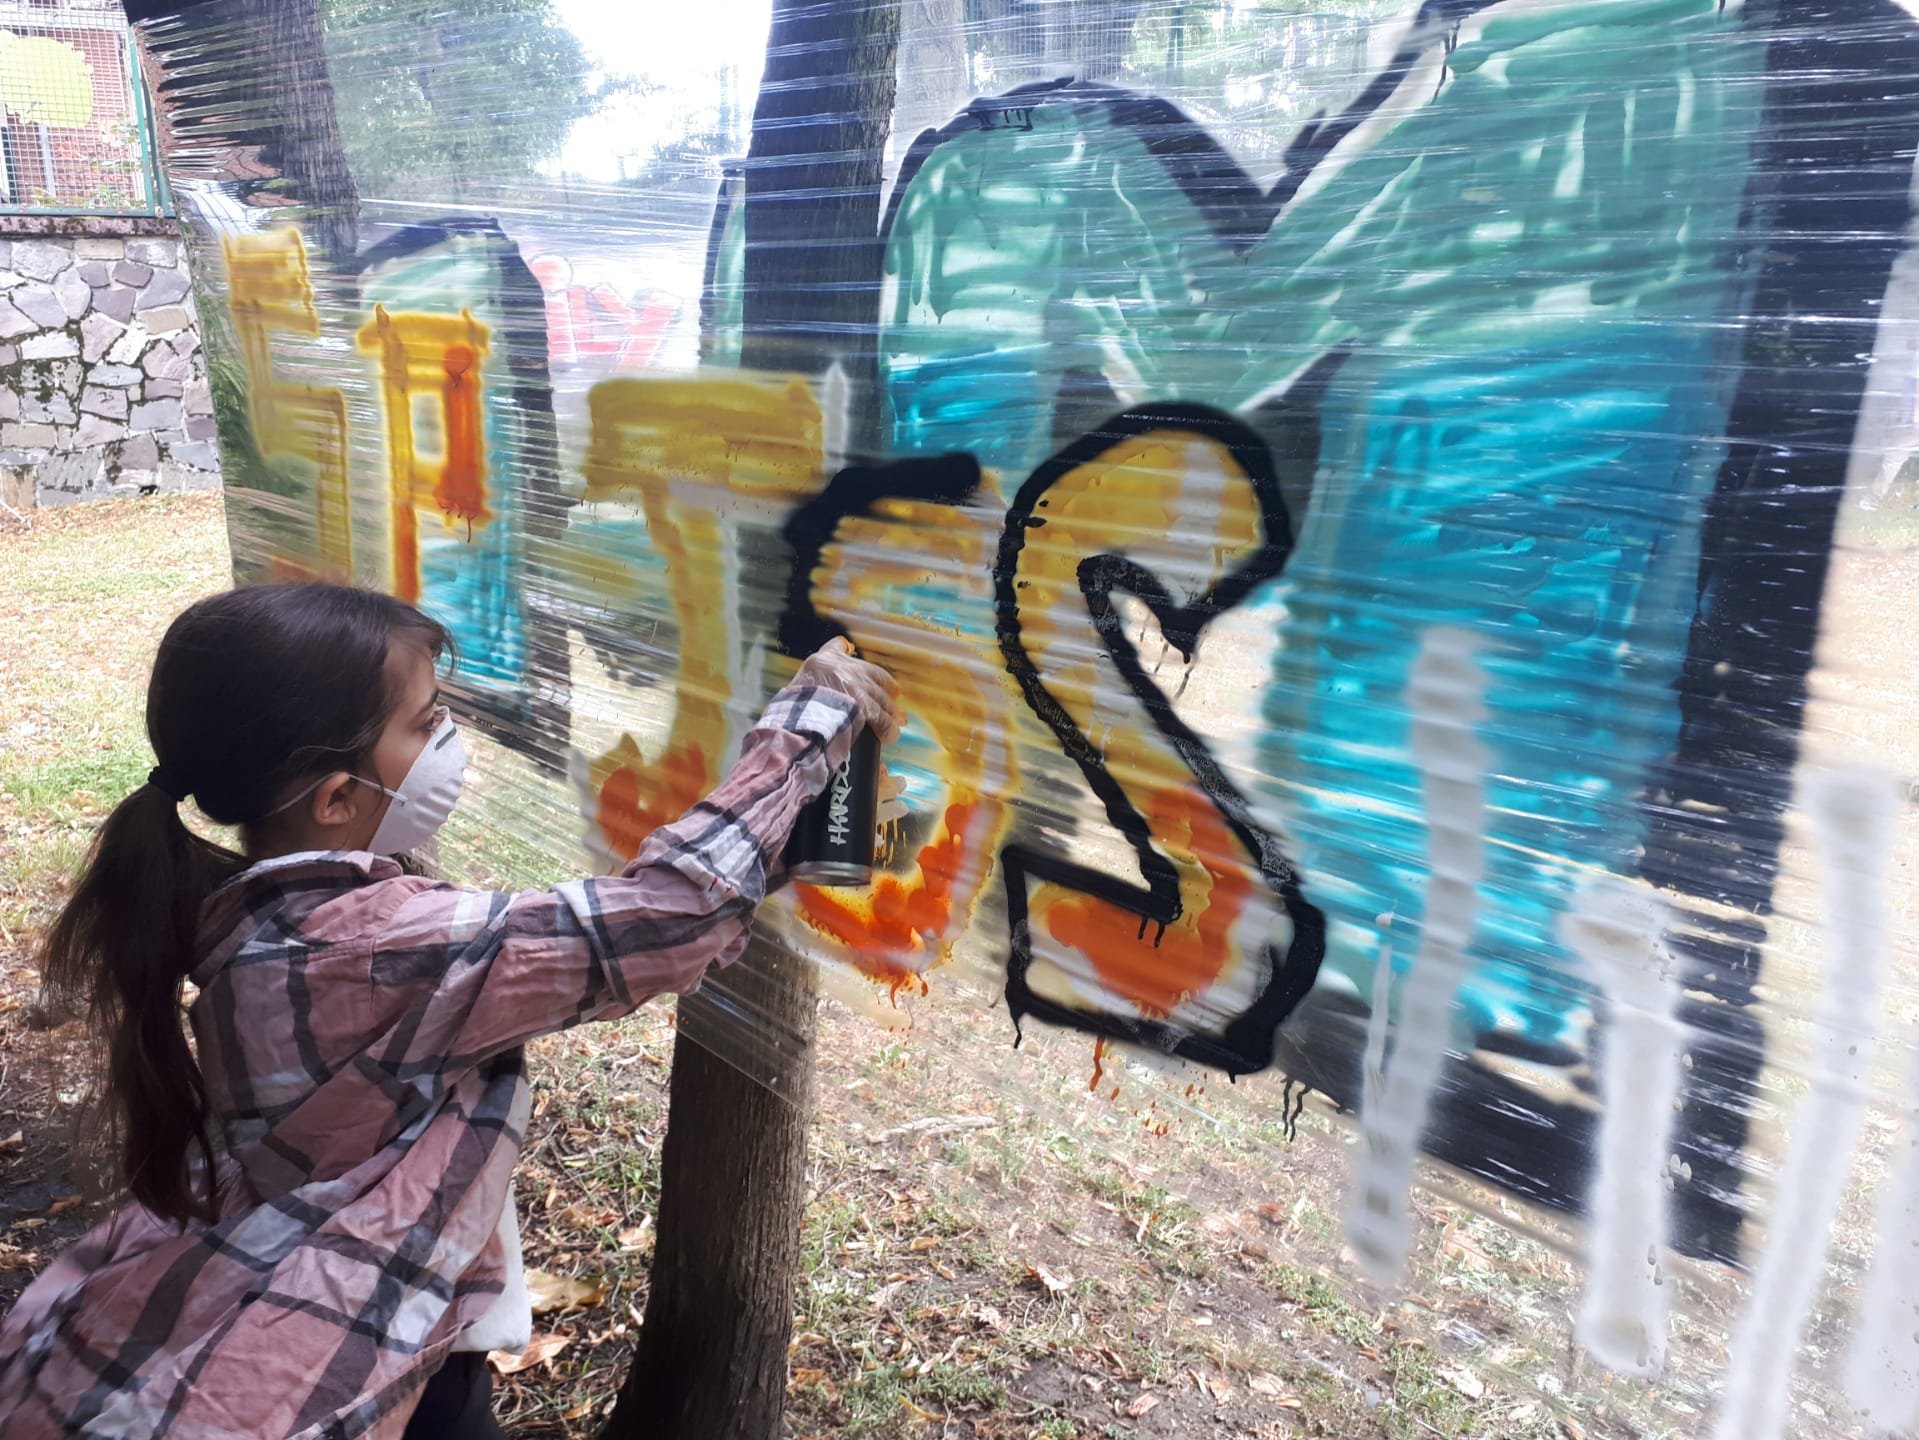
(269, 293)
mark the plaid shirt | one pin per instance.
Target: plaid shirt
(360, 1033)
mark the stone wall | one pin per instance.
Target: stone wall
(103, 389)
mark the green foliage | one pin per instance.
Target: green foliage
(451, 96)
(1252, 72)
(1255, 73)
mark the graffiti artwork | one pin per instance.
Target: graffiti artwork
(1354, 623)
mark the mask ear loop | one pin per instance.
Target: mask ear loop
(295, 800)
(443, 723)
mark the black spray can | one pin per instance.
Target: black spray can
(834, 837)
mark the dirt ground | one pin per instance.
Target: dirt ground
(1000, 1243)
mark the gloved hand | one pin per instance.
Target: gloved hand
(835, 667)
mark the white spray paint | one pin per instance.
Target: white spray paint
(1882, 1369)
(1887, 434)
(1447, 697)
(1379, 1018)
(1852, 814)
(836, 422)
(1615, 929)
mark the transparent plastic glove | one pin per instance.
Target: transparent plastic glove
(835, 667)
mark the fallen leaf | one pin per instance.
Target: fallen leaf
(14, 1143)
(918, 1414)
(805, 1377)
(943, 1272)
(637, 1237)
(64, 1202)
(540, 1351)
(560, 1292)
(1264, 1385)
(991, 1318)
(923, 1243)
(1465, 1382)
(1056, 1284)
(1468, 1254)
(1221, 1391)
(1141, 1405)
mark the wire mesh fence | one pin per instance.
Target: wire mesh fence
(76, 122)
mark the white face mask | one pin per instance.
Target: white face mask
(426, 796)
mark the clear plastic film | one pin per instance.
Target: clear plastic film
(1392, 522)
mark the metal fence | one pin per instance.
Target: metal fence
(76, 121)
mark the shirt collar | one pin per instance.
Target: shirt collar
(228, 910)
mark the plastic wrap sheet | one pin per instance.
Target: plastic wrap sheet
(1392, 522)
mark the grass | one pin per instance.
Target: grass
(86, 594)
(71, 736)
(1071, 1264)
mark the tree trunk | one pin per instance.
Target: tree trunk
(711, 1362)
(274, 123)
(813, 183)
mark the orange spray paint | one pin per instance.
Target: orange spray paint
(437, 355)
(634, 797)
(461, 492)
(1158, 971)
(896, 916)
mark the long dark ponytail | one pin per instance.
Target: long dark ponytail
(253, 691)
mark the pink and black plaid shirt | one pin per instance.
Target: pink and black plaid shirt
(360, 1032)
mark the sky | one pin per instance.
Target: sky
(681, 46)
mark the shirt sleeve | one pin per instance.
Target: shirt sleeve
(503, 968)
